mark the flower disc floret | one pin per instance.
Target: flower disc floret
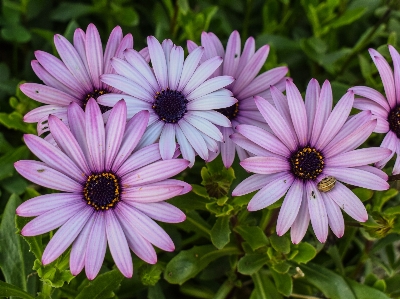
(394, 120)
(95, 94)
(230, 112)
(102, 191)
(307, 163)
(170, 105)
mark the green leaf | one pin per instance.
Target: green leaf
(251, 263)
(7, 161)
(35, 243)
(102, 286)
(5, 146)
(283, 282)
(264, 288)
(8, 290)
(348, 17)
(280, 244)
(67, 11)
(362, 291)
(188, 263)
(253, 235)
(15, 259)
(380, 198)
(331, 284)
(220, 232)
(195, 223)
(16, 33)
(194, 290)
(306, 253)
(150, 274)
(55, 273)
(363, 194)
(155, 292)
(14, 121)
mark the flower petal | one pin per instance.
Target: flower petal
(324, 108)
(297, 112)
(311, 100)
(359, 157)
(151, 193)
(265, 165)
(137, 61)
(372, 94)
(271, 192)
(112, 44)
(167, 141)
(96, 246)
(300, 225)
(94, 54)
(176, 59)
(47, 95)
(317, 211)
(160, 211)
(189, 67)
(210, 86)
(335, 217)
(194, 138)
(158, 61)
(186, 148)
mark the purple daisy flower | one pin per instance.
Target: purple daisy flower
(244, 67)
(110, 195)
(177, 94)
(385, 110)
(74, 78)
(309, 143)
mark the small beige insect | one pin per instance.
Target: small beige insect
(326, 184)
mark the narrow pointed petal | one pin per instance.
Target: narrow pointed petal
(348, 201)
(47, 95)
(265, 165)
(41, 112)
(357, 177)
(94, 54)
(359, 157)
(290, 207)
(367, 104)
(155, 172)
(114, 132)
(152, 134)
(277, 123)
(311, 100)
(247, 53)
(297, 112)
(212, 116)
(390, 142)
(227, 148)
(160, 211)
(372, 94)
(324, 108)
(176, 64)
(386, 75)
(210, 86)
(205, 126)
(232, 55)
(254, 182)
(44, 203)
(96, 247)
(128, 86)
(282, 106)
(271, 192)
(211, 101)
(111, 47)
(63, 238)
(187, 150)
(95, 134)
(317, 211)
(300, 225)
(138, 244)
(118, 245)
(158, 61)
(249, 146)
(396, 66)
(80, 45)
(138, 62)
(72, 61)
(146, 227)
(194, 138)
(52, 219)
(336, 120)
(264, 139)
(151, 193)
(167, 141)
(78, 251)
(134, 130)
(53, 157)
(39, 173)
(189, 66)
(373, 170)
(335, 217)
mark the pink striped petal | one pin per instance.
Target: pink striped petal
(358, 157)
(366, 104)
(390, 142)
(297, 112)
(118, 245)
(227, 148)
(167, 141)
(194, 138)
(300, 225)
(210, 86)
(372, 94)
(186, 148)
(317, 211)
(114, 133)
(137, 61)
(175, 67)
(271, 192)
(94, 54)
(290, 207)
(39, 113)
(47, 95)
(335, 217)
(151, 193)
(247, 53)
(160, 211)
(64, 237)
(39, 173)
(158, 61)
(111, 47)
(95, 134)
(96, 246)
(189, 67)
(254, 182)
(311, 101)
(232, 55)
(248, 145)
(396, 66)
(324, 107)
(265, 165)
(348, 201)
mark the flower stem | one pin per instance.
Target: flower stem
(303, 296)
(224, 290)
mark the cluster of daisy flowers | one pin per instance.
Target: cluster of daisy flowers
(116, 121)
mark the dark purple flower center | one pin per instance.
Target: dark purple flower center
(230, 112)
(170, 105)
(394, 120)
(95, 94)
(102, 190)
(307, 163)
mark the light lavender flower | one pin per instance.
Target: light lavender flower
(110, 195)
(76, 77)
(244, 67)
(385, 110)
(308, 143)
(177, 94)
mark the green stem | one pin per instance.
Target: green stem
(265, 218)
(46, 290)
(303, 296)
(224, 290)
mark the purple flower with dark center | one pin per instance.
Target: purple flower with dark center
(385, 110)
(310, 144)
(76, 77)
(244, 67)
(111, 195)
(178, 94)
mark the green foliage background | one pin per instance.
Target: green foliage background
(222, 251)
